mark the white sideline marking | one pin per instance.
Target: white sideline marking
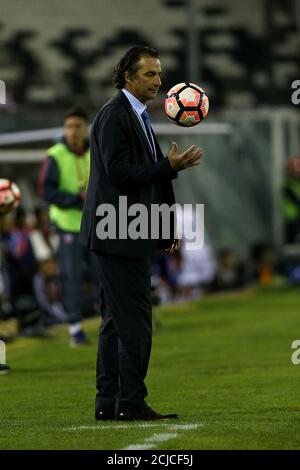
(110, 426)
(161, 437)
(149, 443)
(139, 447)
(184, 427)
(152, 441)
(171, 427)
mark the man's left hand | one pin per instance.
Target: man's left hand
(174, 247)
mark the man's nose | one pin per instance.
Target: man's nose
(157, 80)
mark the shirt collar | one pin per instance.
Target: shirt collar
(137, 105)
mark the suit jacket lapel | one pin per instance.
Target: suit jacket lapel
(137, 125)
(159, 153)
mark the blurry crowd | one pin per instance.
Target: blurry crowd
(30, 281)
(190, 274)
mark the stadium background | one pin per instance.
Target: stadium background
(245, 54)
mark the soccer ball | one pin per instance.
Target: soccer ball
(10, 196)
(186, 104)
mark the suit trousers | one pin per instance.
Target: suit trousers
(126, 330)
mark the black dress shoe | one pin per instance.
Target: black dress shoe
(144, 414)
(4, 369)
(105, 414)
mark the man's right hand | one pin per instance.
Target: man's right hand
(181, 161)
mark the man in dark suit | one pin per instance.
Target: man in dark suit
(126, 161)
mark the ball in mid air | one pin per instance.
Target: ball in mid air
(10, 196)
(186, 104)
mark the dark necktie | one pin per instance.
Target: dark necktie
(146, 119)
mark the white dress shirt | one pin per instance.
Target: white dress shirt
(138, 107)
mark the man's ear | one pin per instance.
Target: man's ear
(127, 77)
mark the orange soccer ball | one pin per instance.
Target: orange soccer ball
(186, 104)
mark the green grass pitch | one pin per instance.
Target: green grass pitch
(223, 363)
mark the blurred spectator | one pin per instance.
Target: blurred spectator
(44, 241)
(190, 270)
(261, 263)
(185, 274)
(291, 201)
(5, 305)
(62, 183)
(18, 269)
(21, 255)
(48, 293)
(230, 272)
(197, 270)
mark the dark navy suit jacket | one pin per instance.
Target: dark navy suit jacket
(122, 164)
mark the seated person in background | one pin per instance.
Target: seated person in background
(20, 267)
(44, 241)
(21, 255)
(197, 270)
(47, 289)
(185, 274)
